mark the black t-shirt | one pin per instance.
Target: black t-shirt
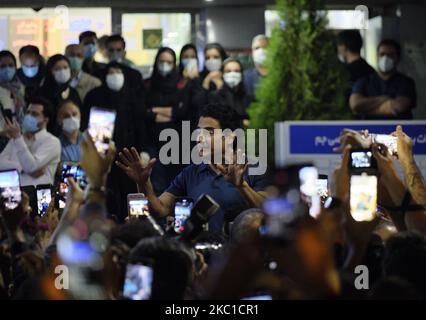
(398, 85)
(359, 69)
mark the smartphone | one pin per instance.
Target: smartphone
(204, 209)
(101, 127)
(308, 177)
(183, 209)
(69, 170)
(362, 160)
(10, 189)
(322, 186)
(363, 197)
(137, 205)
(7, 114)
(138, 282)
(44, 197)
(258, 298)
(279, 213)
(389, 141)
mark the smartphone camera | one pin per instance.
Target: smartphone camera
(69, 170)
(138, 282)
(44, 197)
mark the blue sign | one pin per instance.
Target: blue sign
(323, 138)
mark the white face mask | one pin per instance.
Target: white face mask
(165, 68)
(386, 64)
(70, 125)
(115, 81)
(259, 56)
(213, 64)
(62, 76)
(232, 79)
(341, 58)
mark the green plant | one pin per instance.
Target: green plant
(305, 80)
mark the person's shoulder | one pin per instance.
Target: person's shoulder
(250, 72)
(88, 78)
(404, 78)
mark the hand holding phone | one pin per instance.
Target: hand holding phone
(137, 205)
(44, 197)
(362, 161)
(363, 197)
(183, 209)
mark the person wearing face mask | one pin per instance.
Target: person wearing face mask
(233, 93)
(130, 124)
(56, 87)
(387, 94)
(253, 76)
(88, 40)
(165, 101)
(32, 71)
(9, 80)
(189, 83)
(80, 80)
(349, 45)
(116, 48)
(214, 55)
(34, 152)
(68, 120)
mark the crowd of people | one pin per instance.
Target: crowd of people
(223, 253)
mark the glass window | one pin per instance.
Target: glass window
(146, 32)
(50, 29)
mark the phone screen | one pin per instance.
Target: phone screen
(10, 189)
(363, 197)
(138, 282)
(182, 212)
(322, 187)
(44, 197)
(101, 127)
(389, 141)
(279, 211)
(138, 207)
(308, 189)
(362, 159)
(70, 170)
(254, 298)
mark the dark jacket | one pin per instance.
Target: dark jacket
(130, 127)
(32, 84)
(236, 98)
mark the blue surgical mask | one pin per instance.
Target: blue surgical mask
(89, 50)
(30, 72)
(30, 124)
(7, 73)
(185, 62)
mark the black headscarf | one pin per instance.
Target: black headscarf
(219, 48)
(165, 84)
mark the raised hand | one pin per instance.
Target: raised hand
(234, 172)
(404, 145)
(130, 162)
(357, 139)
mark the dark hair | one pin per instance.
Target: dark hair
(243, 223)
(351, 39)
(405, 257)
(391, 43)
(219, 48)
(6, 53)
(168, 284)
(393, 288)
(132, 232)
(102, 41)
(86, 34)
(185, 48)
(166, 84)
(47, 106)
(29, 49)
(115, 38)
(227, 117)
(49, 80)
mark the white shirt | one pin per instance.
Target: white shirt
(28, 156)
